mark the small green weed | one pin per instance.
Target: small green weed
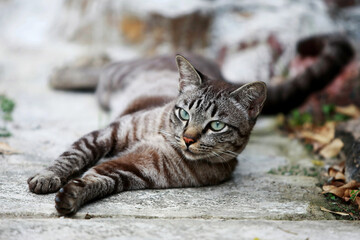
(296, 170)
(337, 204)
(354, 194)
(330, 114)
(6, 108)
(298, 119)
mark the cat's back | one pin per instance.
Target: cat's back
(150, 80)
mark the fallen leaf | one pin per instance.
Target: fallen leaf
(338, 191)
(339, 187)
(6, 149)
(338, 213)
(351, 184)
(328, 188)
(339, 176)
(321, 134)
(315, 137)
(342, 191)
(332, 172)
(350, 110)
(347, 194)
(337, 183)
(332, 149)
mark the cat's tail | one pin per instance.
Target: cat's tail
(332, 52)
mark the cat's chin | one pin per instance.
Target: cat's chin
(190, 155)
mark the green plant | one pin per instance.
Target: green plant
(354, 194)
(331, 115)
(337, 204)
(6, 108)
(297, 118)
(295, 170)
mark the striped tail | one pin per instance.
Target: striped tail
(333, 53)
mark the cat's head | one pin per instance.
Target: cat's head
(213, 119)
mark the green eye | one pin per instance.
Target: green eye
(217, 126)
(184, 115)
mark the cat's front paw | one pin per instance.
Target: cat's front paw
(44, 182)
(69, 198)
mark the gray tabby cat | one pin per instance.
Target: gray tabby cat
(174, 134)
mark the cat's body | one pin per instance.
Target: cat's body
(173, 133)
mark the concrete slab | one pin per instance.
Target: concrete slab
(140, 228)
(243, 197)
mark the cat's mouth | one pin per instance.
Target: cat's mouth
(189, 153)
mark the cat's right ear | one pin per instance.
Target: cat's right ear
(189, 76)
(252, 96)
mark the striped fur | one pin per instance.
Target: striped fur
(169, 133)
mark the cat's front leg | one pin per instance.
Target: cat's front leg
(82, 154)
(139, 169)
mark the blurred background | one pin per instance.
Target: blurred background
(242, 34)
(249, 39)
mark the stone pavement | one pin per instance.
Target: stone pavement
(253, 204)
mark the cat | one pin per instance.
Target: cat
(170, 134)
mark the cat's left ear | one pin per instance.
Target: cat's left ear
(189, 76)
(252, 96)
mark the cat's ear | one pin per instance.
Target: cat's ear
(252, 96)
(189, 76)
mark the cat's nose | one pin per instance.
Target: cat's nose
(188, 141)
(191, 135)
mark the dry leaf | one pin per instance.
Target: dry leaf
(340, 176)
(336, 168)
(347, 193)
(332, 149)
(350, 110)
(338, 213)
(328, 188)
(338, 191)
(323, 134)
(351, 184)
(332, 172)
(338, 185)
(315, 137)
(6, 149)
(343, 191)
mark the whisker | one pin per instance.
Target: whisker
(218, 155)
(230, 153)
